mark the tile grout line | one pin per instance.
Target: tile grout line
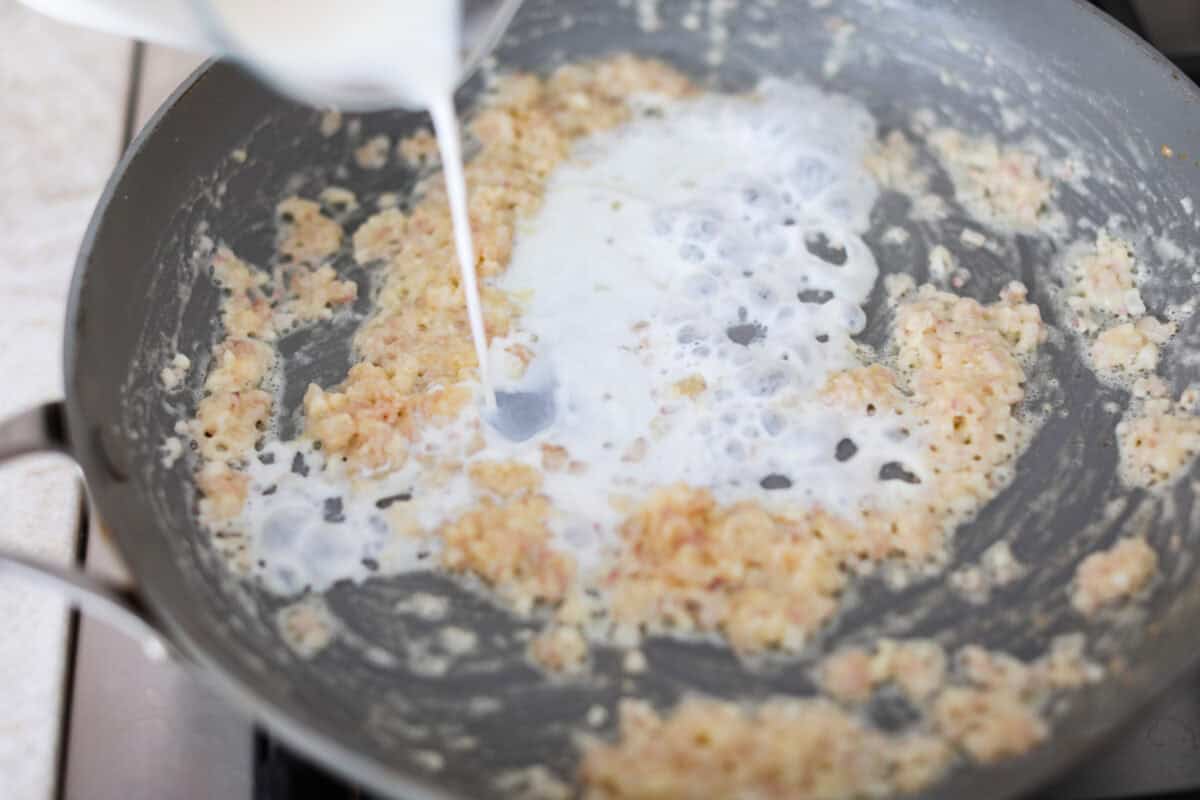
(137, 58)
(133, 91)
(71, 645)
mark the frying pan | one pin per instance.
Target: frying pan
(1085, 88)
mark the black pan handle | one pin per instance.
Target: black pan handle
(43, 430)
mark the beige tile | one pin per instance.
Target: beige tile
(62, 89)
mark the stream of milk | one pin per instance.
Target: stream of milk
(445, 125)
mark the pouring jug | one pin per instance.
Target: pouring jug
(356, 55)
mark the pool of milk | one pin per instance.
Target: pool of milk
(712, 242)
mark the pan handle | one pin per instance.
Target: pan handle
(43, 430)
(119, 607)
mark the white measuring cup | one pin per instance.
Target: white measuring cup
(357, 55)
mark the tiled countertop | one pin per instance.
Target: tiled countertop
(64, 96)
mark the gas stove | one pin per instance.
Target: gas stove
(137, 729)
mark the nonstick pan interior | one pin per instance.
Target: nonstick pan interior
(1084, 86)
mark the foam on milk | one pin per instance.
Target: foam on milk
(713, 242)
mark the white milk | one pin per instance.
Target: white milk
(677, 247)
